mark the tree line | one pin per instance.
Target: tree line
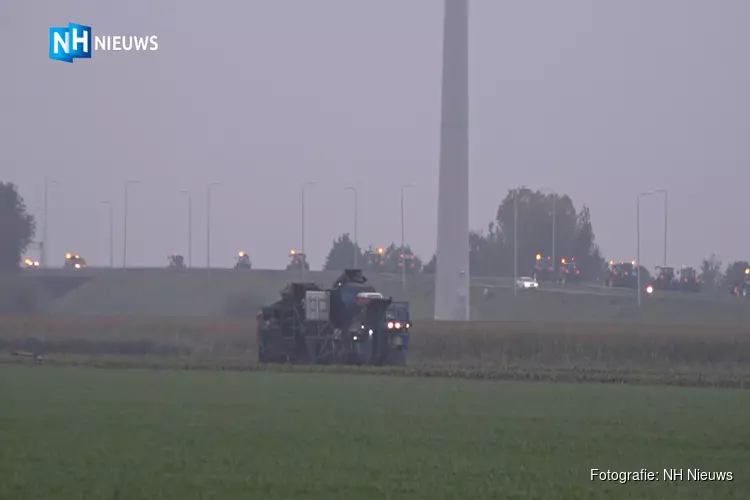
(491, 252)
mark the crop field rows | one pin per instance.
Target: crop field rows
(681, 355)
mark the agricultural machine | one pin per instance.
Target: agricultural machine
(622, 274)
(409, 260)
(544, 269)
(298, 261)
(243, 261)
(665, 279)
(176, 261)
(375, 259)
(569, 271)
(688, 280)
(350, 323)
(74, 261)
(742, 289)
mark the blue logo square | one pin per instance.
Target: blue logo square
(59, 44)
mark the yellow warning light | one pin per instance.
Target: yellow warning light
(538, 256)
(611, 262)
(68, 256)
(241, 254)
(292, 252)
(747, 271)
(381, 250)
(563, 260)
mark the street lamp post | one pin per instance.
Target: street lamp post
(111, 233)
(554, 223)
(515, 243)
(356, 244)
(403, 249)
(208, 225)
(125, 226)
(666, 211)
(302, 197)
(45, 244)
(638, 240)
(190, 226)
(638, 229)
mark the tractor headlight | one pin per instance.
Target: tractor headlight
(370, 332)
(398, 325)
(390, 325)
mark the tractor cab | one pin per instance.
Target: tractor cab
(398, 317)
(544, 269)
(409, 260)
(176, 260)
(74, 261)
(375, 259)
(665, 278)
(688, 280)
(569, 271)
(298, 261)
(243, 261)
(743, 288)
(622, 274)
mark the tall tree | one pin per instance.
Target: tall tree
(493, 253)
(710, 273)
(735, 273)
(341, 255)
(431, 266)
(17, 227)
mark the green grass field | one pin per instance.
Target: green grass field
(199, 293)
(74, 433)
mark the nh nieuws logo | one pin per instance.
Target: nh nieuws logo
(75, 42)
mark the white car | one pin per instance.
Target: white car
(526, 283)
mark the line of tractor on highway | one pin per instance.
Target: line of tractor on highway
(617, 275)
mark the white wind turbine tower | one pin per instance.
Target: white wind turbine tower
(452, 273)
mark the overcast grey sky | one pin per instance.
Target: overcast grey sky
(599, 99)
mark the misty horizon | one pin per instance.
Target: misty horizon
(598, 101)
